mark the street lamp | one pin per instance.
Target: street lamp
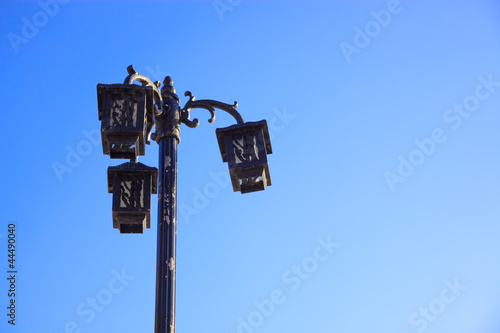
(132, 185)
(128, 113)
(124, 111)
(245, 148)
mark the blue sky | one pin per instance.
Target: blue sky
(384, 211)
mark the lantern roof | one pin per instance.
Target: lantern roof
(131, 168)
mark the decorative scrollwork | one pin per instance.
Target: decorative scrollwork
(145, 81)
(167, 113)
(209, 105)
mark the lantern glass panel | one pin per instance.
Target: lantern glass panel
(245, 148)
(123, 146)
(252, 182)
(132, 192)
(123, 111)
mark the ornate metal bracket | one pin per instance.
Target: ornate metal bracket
(166, 107)
(209, 105)
(145, 81)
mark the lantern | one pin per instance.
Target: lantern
(245, 147)
(132, 185)
(124, 111)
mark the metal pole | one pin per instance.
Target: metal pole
(167, 135)
(167, 234)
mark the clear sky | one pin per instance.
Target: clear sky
(384, 211)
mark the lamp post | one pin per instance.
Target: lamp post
(128, 113)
